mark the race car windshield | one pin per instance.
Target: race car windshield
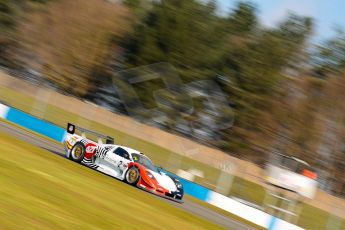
(143, 160)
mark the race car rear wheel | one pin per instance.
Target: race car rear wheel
(132, 176)
(77, 152)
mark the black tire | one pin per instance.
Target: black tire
(77, 153)
(132, 176)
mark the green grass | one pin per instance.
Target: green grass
(247, 190)
(40, 190)
(311, 217)
(314, 218)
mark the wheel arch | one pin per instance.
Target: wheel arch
(77, 143)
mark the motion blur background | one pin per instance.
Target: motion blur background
(236, 81)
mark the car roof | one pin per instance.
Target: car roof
(129, 150)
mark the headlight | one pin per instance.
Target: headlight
(178, 185)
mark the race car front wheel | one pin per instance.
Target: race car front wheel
(77, 152)
(132, 176)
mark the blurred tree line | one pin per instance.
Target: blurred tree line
(11, 12)
(202, 45)
(286, 93)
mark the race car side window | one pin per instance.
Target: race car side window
(121, 152)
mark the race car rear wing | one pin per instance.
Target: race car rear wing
(72, 128)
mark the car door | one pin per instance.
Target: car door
(107, 161)
(123, 160)
(119, 159)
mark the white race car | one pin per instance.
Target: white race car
(120, 162)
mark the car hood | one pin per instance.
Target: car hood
(164, 181)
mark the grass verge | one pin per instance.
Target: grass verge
(40, 190)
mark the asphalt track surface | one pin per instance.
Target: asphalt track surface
(188, 206)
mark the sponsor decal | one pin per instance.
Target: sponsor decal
(90, 148)
(69, 146)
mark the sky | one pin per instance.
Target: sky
(326, 13)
